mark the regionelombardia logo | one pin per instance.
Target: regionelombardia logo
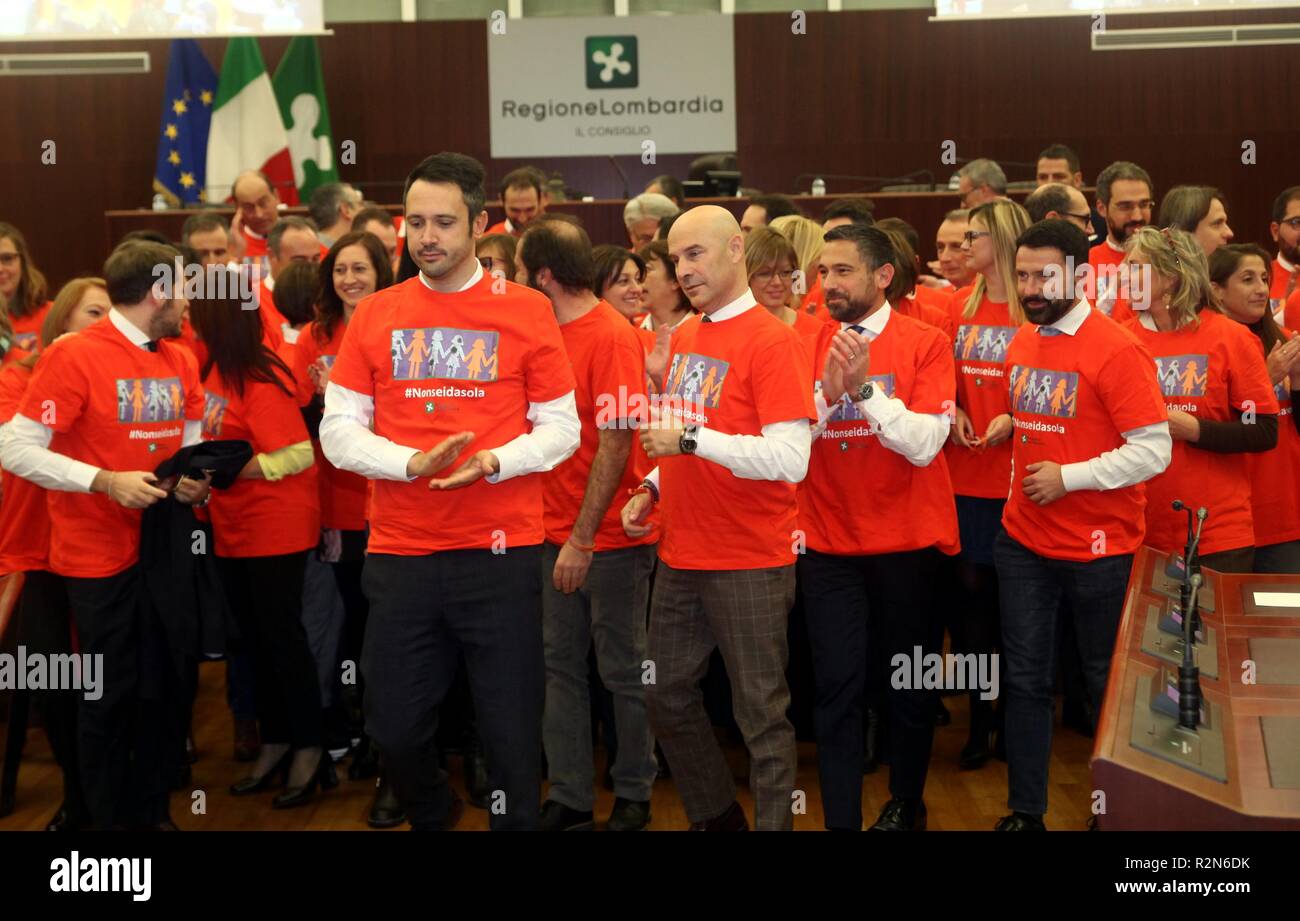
(611, 62)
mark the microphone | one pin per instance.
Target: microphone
(622, 175)
(1189, 685)
(1180, 506)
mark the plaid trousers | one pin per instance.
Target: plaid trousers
(743, 613)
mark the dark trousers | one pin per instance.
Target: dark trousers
(742, 613)
(1032, 589)
(1283, 557)
(45, 628)
(130, 740)
(426, 610)
(265, 593)
(849, 601)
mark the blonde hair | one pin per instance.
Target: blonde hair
(1174, 254)
(805, 235)
(1006, 221)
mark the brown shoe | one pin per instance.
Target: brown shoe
(733, 819)
(247, 744)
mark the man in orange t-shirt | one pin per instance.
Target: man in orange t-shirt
(475, 368)
(1089, 428)
(103, 408)
(1125, 199)
(1285, 228)
(731, 436)
(595, 579)
(523, 197)
(878, 514)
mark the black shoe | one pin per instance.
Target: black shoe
(976, 753)
(732, 819)
(386, 811)
(628, 815)
(257, 784)
(559, 817)
(901, 815)
(1020, 821)
(365, 761)
(477, 788)
(941, 715)
(873, 741)
(298, 796)
(65, 820)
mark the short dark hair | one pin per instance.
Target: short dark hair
(1119, 171)
(873, 244)
(295, 292)
(1285, 198)
(658, 250)
(1185, 206)
(526, 177)
(558, 217)
(857, 210)
(672, 188)
(282, 226)
(1058, 234)
(566, 252)
(906, 230)
(776, 206)
(366, 215)
(145, 236)
(464, 172)
(204, 220)
(1051, 196)
(607, 262)
(1060, 152)
(129, 272)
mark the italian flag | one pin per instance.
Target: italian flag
(246, 131)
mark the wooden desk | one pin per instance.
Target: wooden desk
(1260, 721)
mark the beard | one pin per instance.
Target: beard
(1290, 253)
(1043, 311)
(1124, 231)
(844, 309)
(166, 323)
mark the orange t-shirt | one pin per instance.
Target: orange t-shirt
(1207, 371)
(500, 227)
(27, 330)
(441, 363)
(860, 497)
(1072, 397)
(1105, 259)
(24, 518)
(257, 517)
(1278, 298)
(609, 366)
(115, 406)
(342, 492)
(733, 377)
(814, 302)
(1274, 484)
(807, 326)
(980, 352)
(927, 312)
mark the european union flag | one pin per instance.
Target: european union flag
(183, 134)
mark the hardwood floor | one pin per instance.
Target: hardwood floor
(956, 800)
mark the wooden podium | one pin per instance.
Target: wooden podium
(1240, 771)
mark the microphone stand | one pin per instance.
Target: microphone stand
(1189, 685)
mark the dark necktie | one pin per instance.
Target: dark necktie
(706, 319)
(860, 330)
(151, 345)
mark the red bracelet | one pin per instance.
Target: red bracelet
(578, 546)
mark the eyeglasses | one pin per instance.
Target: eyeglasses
(971, 236)
(9, 258)
(1292, 222)
(767, 275)
(1145, 205)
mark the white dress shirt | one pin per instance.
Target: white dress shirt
(780, 453)
(916, 436)
(350, 444)
(25, 443)
(1146, 450)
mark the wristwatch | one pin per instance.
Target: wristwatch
(688, 441)
(866, 391)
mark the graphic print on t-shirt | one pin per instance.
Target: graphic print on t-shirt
(25, 341)
(444, 352)
(214, 413)
(1182, 375)
(846, 410)
(983, 343)
(697, 378)
(1044, 391)
(149, 399)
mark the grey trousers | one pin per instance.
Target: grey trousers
(610, 611)
(322, 616)
(743, 613)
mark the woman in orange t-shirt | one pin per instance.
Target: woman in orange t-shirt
(263, 527)
(22, 289)
(770, 266)
(978, 450)
(1239, 277)
(616, 278)
(1218, 395)
(44, 616)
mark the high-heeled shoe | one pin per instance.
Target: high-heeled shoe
(324, 776)
(251, 785)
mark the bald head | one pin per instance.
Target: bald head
(708, 248)
(554, 257)
(258, 204)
